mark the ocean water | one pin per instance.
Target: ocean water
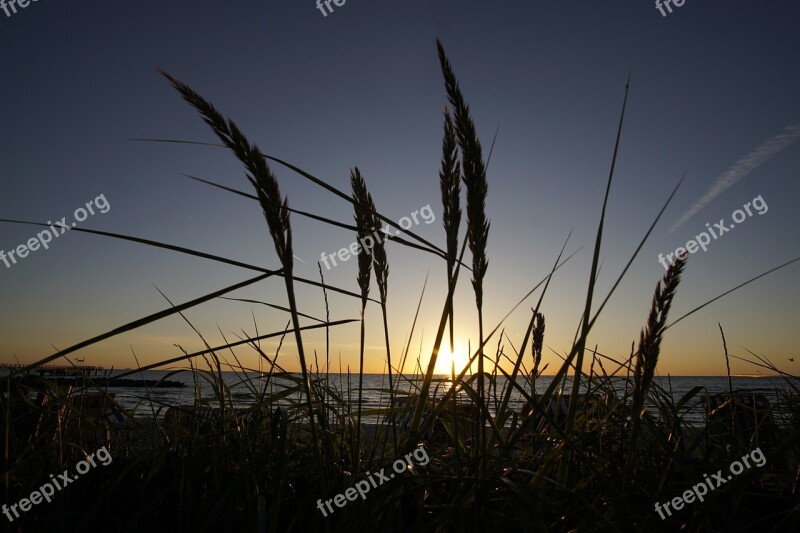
(144, 402)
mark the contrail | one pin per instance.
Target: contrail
(742, 168)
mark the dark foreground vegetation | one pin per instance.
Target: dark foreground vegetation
(586, 455)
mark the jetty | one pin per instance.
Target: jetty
(59, 370)
(79, 375)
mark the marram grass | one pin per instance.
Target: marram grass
(493, 467)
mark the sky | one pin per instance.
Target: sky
(713, 95)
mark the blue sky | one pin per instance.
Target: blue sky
(712, 84)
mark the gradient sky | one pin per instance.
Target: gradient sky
(713, 95)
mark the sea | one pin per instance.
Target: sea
(149, 402)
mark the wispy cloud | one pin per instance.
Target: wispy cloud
(742, 168)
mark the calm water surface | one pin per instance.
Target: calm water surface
(143, 402)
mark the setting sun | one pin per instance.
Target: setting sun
(460, 356)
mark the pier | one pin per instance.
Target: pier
(80, 375)
(59, 370)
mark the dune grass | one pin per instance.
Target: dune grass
(493, 467)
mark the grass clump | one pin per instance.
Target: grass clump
(509, 451)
